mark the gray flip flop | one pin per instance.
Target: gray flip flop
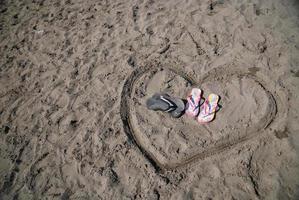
(164, 102)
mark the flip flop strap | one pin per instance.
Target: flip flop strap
(192, 100)
(209, 107)
(170, 103)
(196, 107)
(206, 107)
(193, 103)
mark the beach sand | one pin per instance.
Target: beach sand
(75, 76)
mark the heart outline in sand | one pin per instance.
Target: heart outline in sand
(223, 72)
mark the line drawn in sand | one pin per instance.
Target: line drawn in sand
(276, 105)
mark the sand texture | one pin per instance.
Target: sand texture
(75, 76)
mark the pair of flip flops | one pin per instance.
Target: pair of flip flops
(163, 102)
(208, 109)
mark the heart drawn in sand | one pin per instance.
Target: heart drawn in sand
(248, 108)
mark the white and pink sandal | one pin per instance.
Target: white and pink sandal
(209, 108)
(193, 99)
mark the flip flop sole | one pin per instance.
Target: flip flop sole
(156, 104)
(193, 107)
(213, 102)
(164, 102)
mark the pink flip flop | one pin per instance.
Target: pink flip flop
(207, 113)
(193, 99)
